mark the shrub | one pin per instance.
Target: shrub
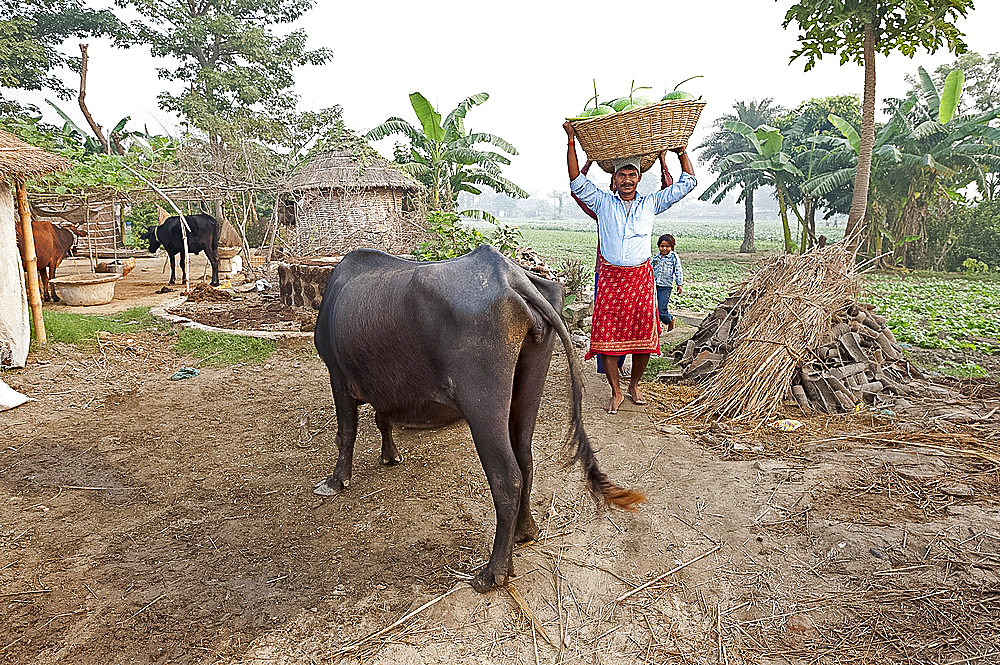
(450, 238)
(966, 233)
(972, 267)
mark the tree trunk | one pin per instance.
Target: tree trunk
(748, 246)
(83, 104)
(859, 202)
(785, 228)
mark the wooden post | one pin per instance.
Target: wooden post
(30, 263)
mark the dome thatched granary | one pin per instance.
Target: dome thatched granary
(19, 161)
(337, 203)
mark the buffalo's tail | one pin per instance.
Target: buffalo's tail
(576, 438)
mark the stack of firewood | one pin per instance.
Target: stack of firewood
(794, 329)
(858, 362)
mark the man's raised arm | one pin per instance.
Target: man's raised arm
(571, 162)
(682, 155)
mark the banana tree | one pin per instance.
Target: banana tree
(925, 151)
(444, 157)
(765, 163)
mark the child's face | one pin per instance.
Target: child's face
(665, 248)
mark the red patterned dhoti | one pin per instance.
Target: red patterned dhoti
(625, 319)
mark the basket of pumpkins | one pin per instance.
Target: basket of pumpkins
(636, 125)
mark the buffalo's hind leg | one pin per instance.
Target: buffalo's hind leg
(347, 434)
(529, 382)
(390, 454)
(491, 437)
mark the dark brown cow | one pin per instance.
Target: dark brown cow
(52, 244)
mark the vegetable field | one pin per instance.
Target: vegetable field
(951, 312)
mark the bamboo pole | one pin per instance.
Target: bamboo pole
(30, 263)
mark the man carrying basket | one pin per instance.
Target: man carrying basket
(625, 315)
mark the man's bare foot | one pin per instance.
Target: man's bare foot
(636, 397)
(614, 404)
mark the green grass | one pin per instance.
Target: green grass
(220, 349)
(81, 329)
(213, 349)
(967, 370)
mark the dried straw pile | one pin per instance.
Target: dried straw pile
(778, 317)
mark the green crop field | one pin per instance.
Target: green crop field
(949, 311)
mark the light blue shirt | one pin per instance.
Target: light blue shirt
(625, 234)
(667, 269)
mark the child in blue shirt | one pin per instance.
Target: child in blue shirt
(667, 271)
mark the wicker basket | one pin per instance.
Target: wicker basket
(645, 131)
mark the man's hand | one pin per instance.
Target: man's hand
(679, 289)
(570, 130)
(684, 159)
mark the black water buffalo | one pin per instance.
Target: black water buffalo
(427, 344)
(202, 235)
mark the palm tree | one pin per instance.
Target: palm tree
(444, 157)
(804, 129)
(765, 163)
(722, 142)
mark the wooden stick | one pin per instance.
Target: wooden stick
(30, 263)
(24, 593)
(144, 608)
(353, 646)
(666, 574)
(528, 613)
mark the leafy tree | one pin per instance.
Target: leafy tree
(971, 232)
(803, 129)
(444, 157)
(90, 167)
(30, 34)
(237, 72)
(723, 142)
(857, 29)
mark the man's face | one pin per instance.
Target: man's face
(626, 180)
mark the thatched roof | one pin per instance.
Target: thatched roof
(341, 170)
(20, 161)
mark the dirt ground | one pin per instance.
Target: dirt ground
(144, 520)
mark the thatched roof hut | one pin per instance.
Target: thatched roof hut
(338, 202)
(19, 161)
(341, 170)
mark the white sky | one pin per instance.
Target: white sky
(536, 59)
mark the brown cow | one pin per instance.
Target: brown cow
(52, 244)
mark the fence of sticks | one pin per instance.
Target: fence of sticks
(795, 329)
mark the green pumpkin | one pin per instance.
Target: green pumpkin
(677, 94)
